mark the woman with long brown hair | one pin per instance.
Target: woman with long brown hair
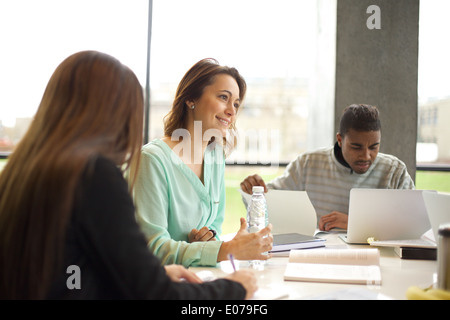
(67, 224)
(180, 189)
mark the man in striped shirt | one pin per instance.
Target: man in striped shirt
(328, 174)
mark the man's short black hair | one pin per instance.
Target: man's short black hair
(360, 117)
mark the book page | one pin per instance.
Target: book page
(271, 292)
(413, 243)
(336, 256)
(356, 274)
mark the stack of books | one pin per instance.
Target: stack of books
(424, 248)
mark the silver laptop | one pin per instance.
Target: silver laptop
(386, 214)
(438, 208)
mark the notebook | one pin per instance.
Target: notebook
(438, 208)
(385, 214)
(289, 211)
(288, 241)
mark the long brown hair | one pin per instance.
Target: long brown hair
(92, 106)
(191, 86)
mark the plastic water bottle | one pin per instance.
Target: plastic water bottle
(257, 218)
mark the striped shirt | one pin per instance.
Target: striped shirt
(328, 181)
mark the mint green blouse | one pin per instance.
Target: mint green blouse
(171, 200)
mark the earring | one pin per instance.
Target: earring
(192, 107)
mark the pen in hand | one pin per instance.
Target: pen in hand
(230, 256)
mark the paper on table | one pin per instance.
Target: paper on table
(271, 292)
(289, 211)
(425, 241)
(350, 294)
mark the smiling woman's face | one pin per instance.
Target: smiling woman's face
(218, 104)
(360, 148)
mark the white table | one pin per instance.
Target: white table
(397, 275)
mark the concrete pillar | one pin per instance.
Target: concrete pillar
(377, 63)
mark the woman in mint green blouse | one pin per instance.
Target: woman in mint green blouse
(179, 190)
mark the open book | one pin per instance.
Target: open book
(356, 266)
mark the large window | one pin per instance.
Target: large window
(275, 45)
(434, 90)
(272, 44)
(36, 36)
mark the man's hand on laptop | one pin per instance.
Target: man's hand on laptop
(250, 181)
(333, 220)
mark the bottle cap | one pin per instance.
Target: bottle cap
(258, 189)
(444, 229)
